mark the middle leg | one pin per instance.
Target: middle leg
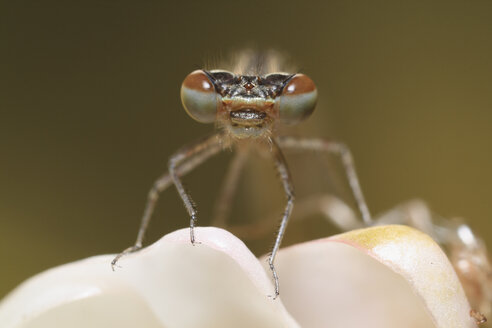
(224, 202)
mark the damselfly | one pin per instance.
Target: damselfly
(248, 105)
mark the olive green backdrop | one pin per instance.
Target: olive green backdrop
(90, 112)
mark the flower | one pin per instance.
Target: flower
(386, 276)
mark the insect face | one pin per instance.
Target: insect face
(248, 106)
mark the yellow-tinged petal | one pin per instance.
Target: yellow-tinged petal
(416, 257)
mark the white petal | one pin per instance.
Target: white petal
(217, 283)
(407, 281)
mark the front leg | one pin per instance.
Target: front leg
(211, 145)
(285, 177)
(345, 155)
(194, 155)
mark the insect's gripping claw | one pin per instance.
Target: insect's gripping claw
(129, 250)
(193, 219)
(478, 317)
(275, 279)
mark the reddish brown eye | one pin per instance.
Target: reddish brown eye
(199, 97)
(298, 99)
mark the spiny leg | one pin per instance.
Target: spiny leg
(159, 185)
(228, 189)
(346, 157)
(284, 175)
(213, 145)
(163, 182)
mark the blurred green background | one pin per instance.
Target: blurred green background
(90, 112)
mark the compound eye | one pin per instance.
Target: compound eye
(199, 97)
(297, 100)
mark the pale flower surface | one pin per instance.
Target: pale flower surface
(381, 277)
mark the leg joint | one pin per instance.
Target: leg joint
(290, 195)
(153, 193)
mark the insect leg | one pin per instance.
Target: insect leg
(228, 189)
(163, 182)
(210, 146)
(341, 150)
(285, 177)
